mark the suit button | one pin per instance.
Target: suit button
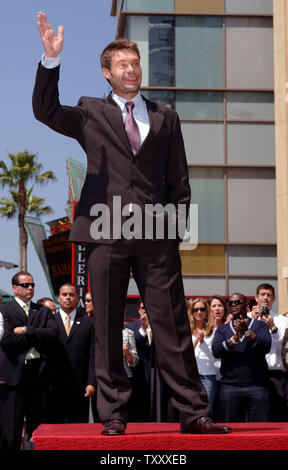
(132, 185)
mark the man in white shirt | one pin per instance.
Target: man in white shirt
(265, 297)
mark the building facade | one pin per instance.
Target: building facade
(281, 144)
(213, 62)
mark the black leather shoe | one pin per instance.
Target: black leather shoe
(205, 425)
(114, 427)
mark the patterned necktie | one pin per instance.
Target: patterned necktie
(131, 128)
(32, 353)
(26, 309)
(67, 324)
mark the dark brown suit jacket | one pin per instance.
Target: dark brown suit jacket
(156, 174)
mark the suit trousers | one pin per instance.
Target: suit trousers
(25, 401)
(156, 268)
(64, 406)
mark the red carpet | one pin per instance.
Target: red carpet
(160, 436)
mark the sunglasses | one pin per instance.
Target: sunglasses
(234, 302)
(201, 309)
(88, 300)
(25, 285)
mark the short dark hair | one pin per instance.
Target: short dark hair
(69, 284)
(265, 286)
(15, 278)
(242, 295)
(118, 45)
(44, 299)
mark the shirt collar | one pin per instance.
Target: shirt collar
(64, 314)
(21, 303)
(137, 100)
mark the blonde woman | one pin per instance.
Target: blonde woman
(89, 305)
(202, 335)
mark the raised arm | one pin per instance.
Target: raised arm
(68, 120)
(52, 44)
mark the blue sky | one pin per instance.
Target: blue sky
(88, 28)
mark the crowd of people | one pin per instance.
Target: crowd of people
(244, 357)
(47, 360)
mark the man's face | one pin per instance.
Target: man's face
(237, 306)
(125, 73)
(24, 289)
(68, 298)
(51, 305)
(265, 298)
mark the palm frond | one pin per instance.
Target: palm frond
(8, 208)
(35, 206)
(45, 177)
(23, 167)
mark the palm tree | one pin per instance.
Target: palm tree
(23, 168)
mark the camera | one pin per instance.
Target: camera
(265, 311)
(237, 316)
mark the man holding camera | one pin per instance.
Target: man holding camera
(277, 324)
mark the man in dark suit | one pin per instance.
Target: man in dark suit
(30, 332)
(136, 159)
(74, 361)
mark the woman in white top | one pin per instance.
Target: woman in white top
(202, 335)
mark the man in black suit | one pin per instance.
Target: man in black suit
(136, 158)
(74, 361)
(30, 332)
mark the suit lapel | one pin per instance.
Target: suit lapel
(32, 312)
(61, 326)
(76, 324)
(113, 115)
(156, 119)
(20, 312)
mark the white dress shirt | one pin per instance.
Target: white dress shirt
(21, 303)
(64, 315)
(273, 358)
(140, 113)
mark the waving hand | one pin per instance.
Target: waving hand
(53, 44)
